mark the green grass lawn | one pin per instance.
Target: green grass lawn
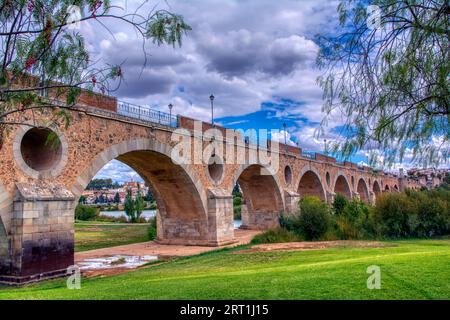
(91, 235)
(414, 269)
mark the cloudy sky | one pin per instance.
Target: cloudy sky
(256, 56)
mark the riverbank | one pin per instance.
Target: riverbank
(413, 269)
(90, 235)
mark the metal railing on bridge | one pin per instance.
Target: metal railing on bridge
(146, 114)
(309, 155)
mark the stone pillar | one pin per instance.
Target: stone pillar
(330, 197)
(220, 217)
(255, 220)
(291, 200)
(213, 228)
(5, 259)
(42, 233)
(372, 197)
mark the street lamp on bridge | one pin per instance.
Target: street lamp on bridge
(211, 97)
(170, 114)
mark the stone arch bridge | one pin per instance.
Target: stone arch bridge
(41, 184)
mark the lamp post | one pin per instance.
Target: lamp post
(211, 97)
(285, 138)
(170, 114)
(325, 147)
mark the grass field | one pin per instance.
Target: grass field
(414, 269)
(95, 235)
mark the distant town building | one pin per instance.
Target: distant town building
(108, 195)
(430, 177)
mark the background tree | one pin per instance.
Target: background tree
(44, 62)
(139, 206)
(129, 208)
(390, 81)
(117, 198)
(149, 196)
(82, 199)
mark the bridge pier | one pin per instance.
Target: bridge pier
(291, 200)
(41, 244)
(258, 220)
(215, 230)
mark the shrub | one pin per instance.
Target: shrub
(85, 213)
(394, 215)
(432, 210)
(275, 236)
(339, 203)
(352, 223)
(237, 201)
(152, 229)
(314, 219)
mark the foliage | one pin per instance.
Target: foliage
(275, 236)
(139, 205)
(393, 215)
(352, 223)
(117, 198)
(50, 59)
(149, 196)
(237, 191)
(314, 219)
(98, 184)
(129, 206)
(390, 81)
(412, 214)
(82, 199)
(339, 203)
(85, 213)
(152, 233)
(237, 204)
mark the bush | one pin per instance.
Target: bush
(339, 203)
(275, 236)
(237, 201)
(314, 219)
(85, 213)
(152, 229)
(352, 222)
(432, 210)
(394, 216)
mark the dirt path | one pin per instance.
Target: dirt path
(153, 248)
(302, 246)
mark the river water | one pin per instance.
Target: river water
(147, 214)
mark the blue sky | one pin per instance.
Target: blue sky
(258, 57)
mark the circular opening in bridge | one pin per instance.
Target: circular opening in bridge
(215, 168)
(288, 175)
(41, 149)
(328, 179)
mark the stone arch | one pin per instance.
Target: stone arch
(311, 184)
(396, 188)
(387, 188)
(263, 201)
(363, 190)
(181, 199)
(342, 186)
